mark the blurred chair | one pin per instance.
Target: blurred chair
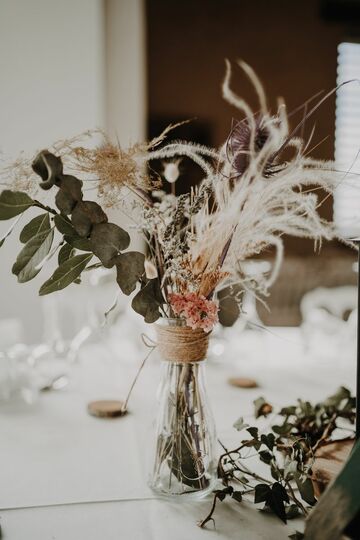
(300, 275)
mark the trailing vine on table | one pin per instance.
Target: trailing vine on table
(288, 449)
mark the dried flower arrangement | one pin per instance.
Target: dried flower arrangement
(257, 187)
(197, 243)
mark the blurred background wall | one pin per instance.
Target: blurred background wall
(66, 66)
(134, 66)
(293, 48)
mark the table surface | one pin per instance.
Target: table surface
(65, 475)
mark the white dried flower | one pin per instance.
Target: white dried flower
(150, 269)
(171, 171)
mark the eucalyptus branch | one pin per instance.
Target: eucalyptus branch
(38, 204)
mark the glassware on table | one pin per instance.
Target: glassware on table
(184, 455)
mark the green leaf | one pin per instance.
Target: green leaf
(48, 167)
(276, 500)
(336, 399)
(148, 300)
(268, 440)
(297, 536)
(237, 496)
(130, 268)
(28, 262)
(65, 274)
(288, 411)
(254, 432)
(292, 511)
(107, 240)
(83, 244)
(65, 253)
(275, 472)
(63, 225)
(85, 215)
(282, 430)
(265, 456)
(13, 203)
(36, 226)
(262, 492)
(305, 487)
(240, 424)
(9, 231)
(69, 194)
(290, 468)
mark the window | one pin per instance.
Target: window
(347, 140)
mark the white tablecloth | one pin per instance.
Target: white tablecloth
(65, 475)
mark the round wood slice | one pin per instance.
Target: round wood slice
(106, 408)
(243, 382)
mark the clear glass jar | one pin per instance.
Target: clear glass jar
(184, 453)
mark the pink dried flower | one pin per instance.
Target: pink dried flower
(195, 309)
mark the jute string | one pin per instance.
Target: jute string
(181, 343)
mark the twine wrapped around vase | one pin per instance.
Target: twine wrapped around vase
(181, 343)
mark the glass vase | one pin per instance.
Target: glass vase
(184, 460)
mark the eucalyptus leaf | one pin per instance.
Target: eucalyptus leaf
(49, 167)
(107, 241)
(65, 274)
(69, 194)
(28, 262)
(36, 226)
(65, 253)
(130, 268)
(82, 244)
(13, 203)
(148, 300)
(64, 226)
(85, 215)
(9, 231)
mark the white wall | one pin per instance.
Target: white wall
(58, 80)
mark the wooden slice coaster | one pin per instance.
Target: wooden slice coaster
(106, 408)
(242, 382)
